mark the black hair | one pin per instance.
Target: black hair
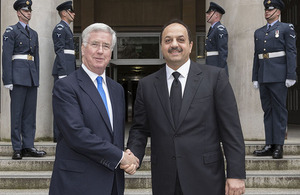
(173, 21)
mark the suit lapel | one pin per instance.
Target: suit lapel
(162, 91)
(22, 29)
(89, 88)
(192, 84)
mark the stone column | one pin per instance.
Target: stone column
(44, 18)
(241, 19)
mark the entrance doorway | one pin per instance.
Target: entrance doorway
(128, 76)
(291, 15)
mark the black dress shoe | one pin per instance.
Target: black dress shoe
(267, 150)
(17, 155)
(278, 152)
(33, 152)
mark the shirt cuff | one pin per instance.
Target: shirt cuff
(120, 160)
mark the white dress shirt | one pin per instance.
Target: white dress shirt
(93, 77)
(183, 70)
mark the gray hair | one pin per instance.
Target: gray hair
(98, 27)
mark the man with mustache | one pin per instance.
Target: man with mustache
(188, 109)
(274, 70)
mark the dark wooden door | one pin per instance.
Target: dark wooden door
(291, 14)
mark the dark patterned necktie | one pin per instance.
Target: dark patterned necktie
(176, 97)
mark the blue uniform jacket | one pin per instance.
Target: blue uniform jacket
(280, 37)
(217, 40)
(16, 41)
(62, 36)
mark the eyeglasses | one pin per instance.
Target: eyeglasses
(97, 45)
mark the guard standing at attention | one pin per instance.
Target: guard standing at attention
(20, 74)
(274, 70)
(62, 36)
(216, 44)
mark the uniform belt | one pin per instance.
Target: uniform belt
(212, 53)
(271, 55)
(69, 51)
(23, 57)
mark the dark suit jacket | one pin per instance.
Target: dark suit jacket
(88, 150)
(208, 116)
(17, 41)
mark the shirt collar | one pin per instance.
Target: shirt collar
(183, 70)
(93, 75)
(214, 24)
(66, 22)
(273, 23)
(23, 24)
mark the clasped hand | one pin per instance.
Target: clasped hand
(130, 162)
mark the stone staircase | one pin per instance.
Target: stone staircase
(265, 176)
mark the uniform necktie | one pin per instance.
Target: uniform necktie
(269, 26)
(26, 28)
(102, 92)
(176, 97)
(209, 30)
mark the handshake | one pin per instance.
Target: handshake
(129, 163)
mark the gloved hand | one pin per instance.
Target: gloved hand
(289, 82)
(255, 84)
(9, 86)
(62, 76)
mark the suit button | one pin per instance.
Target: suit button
(174, 157)
(265, 41)
(267, 34)
(264, 49)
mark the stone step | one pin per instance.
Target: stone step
(49, 147)
(142, 179)
(46, 163)
(290, 148)
(27, 164)
(249, 191)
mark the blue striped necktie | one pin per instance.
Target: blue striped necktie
(102, 92)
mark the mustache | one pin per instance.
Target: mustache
(174, 49)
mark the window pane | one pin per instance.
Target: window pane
(138, 47)
(201, 46)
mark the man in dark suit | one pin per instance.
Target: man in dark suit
(274, 70)
(216, 43)
(91, 123)
(187, 128)
(62, 37)
(20, 74)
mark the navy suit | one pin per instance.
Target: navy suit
(24, 75)
(208, 117)
(217, 41)
(88, 149)
(62, 37)
(271, 73)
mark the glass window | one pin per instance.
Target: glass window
(200, 45)
(138, 47)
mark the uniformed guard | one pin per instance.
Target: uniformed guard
(62, 36)
(216, 44)
(20, 69)
(274, 70)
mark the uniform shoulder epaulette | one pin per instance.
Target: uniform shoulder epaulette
(9, 29)
(221, 27)
(291, 26)
(60, 26)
